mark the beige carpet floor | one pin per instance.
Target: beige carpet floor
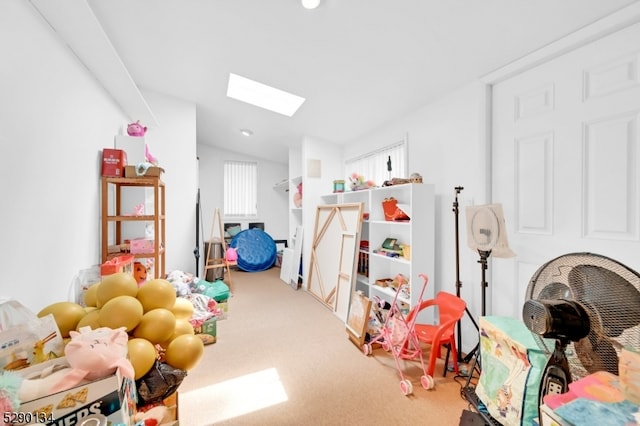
(283, 358)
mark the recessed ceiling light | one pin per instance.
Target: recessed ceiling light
(246, 132)
(310, 4)
(263, 96)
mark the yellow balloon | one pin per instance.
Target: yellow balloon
(182, 308)
(91, 295)
(91, 319)
(184, 352)
(156, 325)
(157, 293)
(182, 327)
(121, 311)
(142, 355)
(120, 284)
(66, 315)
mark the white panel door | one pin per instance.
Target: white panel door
(565, 156)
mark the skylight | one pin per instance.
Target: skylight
(263, 96)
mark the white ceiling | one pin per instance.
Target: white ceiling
(359, 63)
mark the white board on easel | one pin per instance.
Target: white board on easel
(285, 267)
(294, 271)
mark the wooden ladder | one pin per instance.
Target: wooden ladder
(218, 262)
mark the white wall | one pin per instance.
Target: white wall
(174, 144)
(331, 168)
(447, 146)
(54, 121)
(272, 203)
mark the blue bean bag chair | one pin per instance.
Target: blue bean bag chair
(256, 250)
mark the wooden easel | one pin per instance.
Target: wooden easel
(218, 262)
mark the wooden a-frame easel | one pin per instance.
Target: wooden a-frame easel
(218, 262)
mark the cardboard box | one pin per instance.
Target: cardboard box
(112, 397)
(384, 282)
(113, 162)
(130, 172)
(171, 402)
(209, 327)
(224, 310)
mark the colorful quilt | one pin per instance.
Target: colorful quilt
(512, 366)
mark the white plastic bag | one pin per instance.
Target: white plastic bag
(82, 281)
(25, 339)
(13, 313)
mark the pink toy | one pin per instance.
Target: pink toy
(231, 255)
(138, 210)
(149, 156)
(398, 334)
(95, 354)
(136, 129)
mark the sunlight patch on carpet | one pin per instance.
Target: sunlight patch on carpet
(235, 397)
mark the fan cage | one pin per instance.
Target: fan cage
(610, 293)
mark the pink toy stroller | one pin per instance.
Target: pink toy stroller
(399, 335)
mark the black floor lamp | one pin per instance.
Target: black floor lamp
(487, 235)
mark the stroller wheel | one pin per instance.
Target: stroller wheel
(366, 349)
(385, 346)
(406, 387)
(427, 382)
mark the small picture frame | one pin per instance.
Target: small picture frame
(358, 318)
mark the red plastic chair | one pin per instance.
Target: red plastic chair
(450, 309)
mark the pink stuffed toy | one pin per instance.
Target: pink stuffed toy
(136, 129)
(95, 354)
(232, 254)
(149, 156)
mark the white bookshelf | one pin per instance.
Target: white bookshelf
(418, 233)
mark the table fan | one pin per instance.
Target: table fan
(590, 305)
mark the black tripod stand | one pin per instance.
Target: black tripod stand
(484, 255)
(469, 389)
(196, 251)
(456, 212)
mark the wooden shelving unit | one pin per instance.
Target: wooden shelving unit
(114, 214)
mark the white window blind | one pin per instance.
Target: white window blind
(373, 166)
(240, 189)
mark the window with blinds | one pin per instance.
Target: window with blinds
(375, 165)
(240, 189)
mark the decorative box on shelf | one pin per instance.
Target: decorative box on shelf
(113, 162)
(141, 245)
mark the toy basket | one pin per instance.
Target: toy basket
(392, 212)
